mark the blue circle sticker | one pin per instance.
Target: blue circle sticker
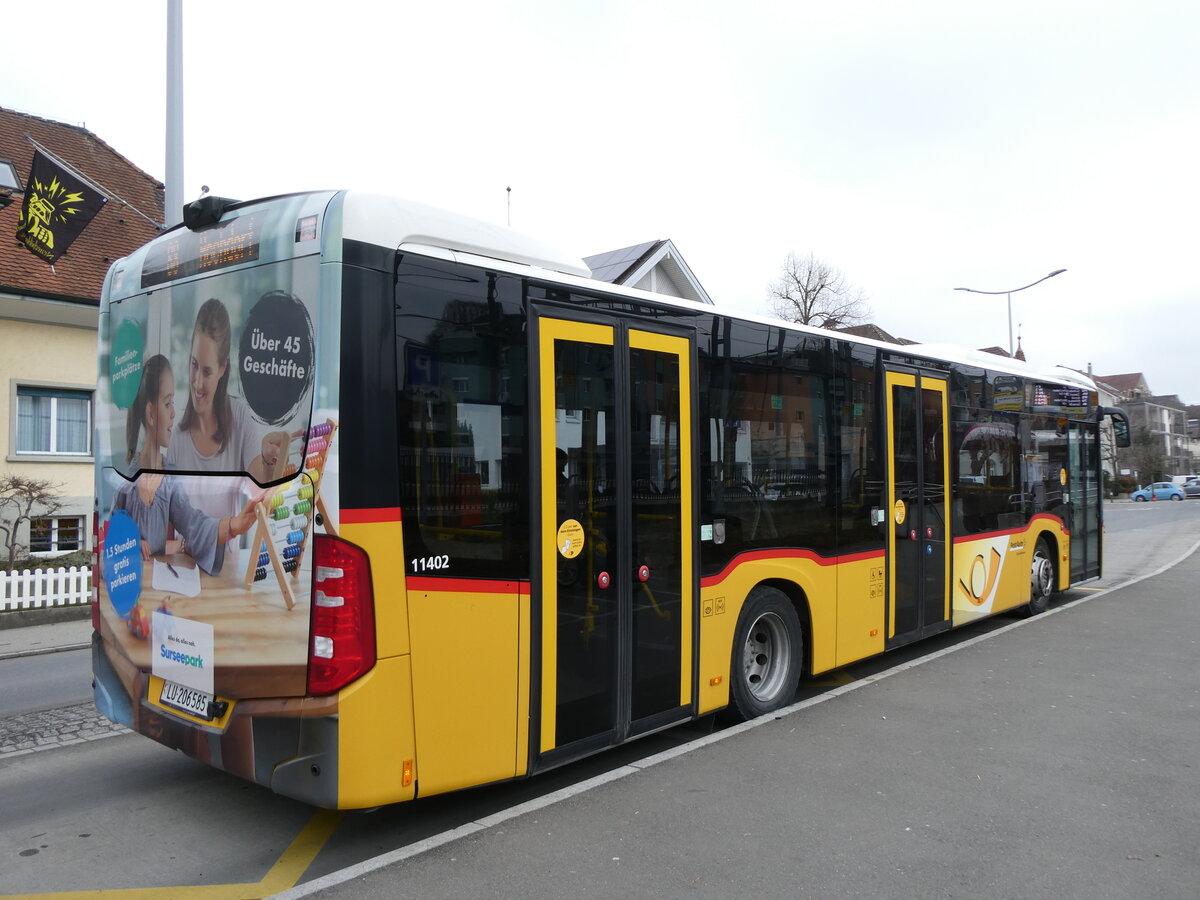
(123, 563)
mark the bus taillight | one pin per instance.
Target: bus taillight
(342, 634)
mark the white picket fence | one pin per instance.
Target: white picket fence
(43, 588)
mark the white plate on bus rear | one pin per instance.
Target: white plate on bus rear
(193, 702)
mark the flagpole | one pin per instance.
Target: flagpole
(173, 198)
(95, 184)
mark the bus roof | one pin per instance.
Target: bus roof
(419, 228)
(377, 219)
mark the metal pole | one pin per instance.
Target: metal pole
(173, 194)
(1010, 293)
(1010, 343)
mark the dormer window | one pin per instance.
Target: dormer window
(8, 177)
(9, 185)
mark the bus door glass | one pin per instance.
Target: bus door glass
(615, 535)
(918, 555)
(1084, 490)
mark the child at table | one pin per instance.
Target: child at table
(156, 500)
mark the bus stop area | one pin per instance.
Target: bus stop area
(1055, 757)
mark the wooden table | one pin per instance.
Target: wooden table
(260, 646)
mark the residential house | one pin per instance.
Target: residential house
(655, 266)
(1193, 438)
(875, 333)
(48, 319)
(1164, 417)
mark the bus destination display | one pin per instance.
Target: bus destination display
(195, 252)
(1060, 398)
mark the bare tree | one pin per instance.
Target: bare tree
(21, 500)
(812, 292)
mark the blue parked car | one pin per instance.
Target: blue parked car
(1163, 490)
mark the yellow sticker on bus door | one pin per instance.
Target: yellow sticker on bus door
(570, 539)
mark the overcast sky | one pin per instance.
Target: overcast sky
(916, 146)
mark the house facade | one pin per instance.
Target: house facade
(1165, 418)
(48, 320)
(655, 266)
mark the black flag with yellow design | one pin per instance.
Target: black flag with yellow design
(58, 206)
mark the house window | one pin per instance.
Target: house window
(54, 421)
(8, 176)
(9, 184)
(56, 535)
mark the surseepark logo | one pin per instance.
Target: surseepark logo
(181, 657)
(183, 651)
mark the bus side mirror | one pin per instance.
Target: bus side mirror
(1120, 424)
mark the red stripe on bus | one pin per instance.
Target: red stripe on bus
(467, 585)
(988, 535)
(367, 516)
(756, 555)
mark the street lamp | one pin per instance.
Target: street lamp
(1010, 293)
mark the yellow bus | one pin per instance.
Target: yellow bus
(392, 503)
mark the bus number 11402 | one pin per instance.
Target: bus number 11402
(430, 563)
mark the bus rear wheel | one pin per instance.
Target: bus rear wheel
(1041, 578)
(768, 648)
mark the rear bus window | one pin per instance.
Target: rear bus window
(462, 434)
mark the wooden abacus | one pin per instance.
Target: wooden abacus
(285, 515)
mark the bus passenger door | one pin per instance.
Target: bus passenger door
(1083, 454)
(615, 536)
(918, 510)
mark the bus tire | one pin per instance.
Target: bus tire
(768, 650)
(1043, 576)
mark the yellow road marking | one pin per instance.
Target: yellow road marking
(302, 851)
(283, 875)
(1089, 589)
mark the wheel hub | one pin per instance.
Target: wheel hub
(1041, 575)
(766, 656)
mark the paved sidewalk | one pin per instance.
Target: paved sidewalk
(74, 634)
(49, 728)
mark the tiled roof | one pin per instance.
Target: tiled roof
(875, 333)
(614, 265)
(1124, 384)
(654, 266)
(1171, 401)
(115, 232)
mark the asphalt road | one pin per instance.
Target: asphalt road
(48, 681)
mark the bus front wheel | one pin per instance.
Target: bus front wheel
(768, 648)
(1041, 578)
